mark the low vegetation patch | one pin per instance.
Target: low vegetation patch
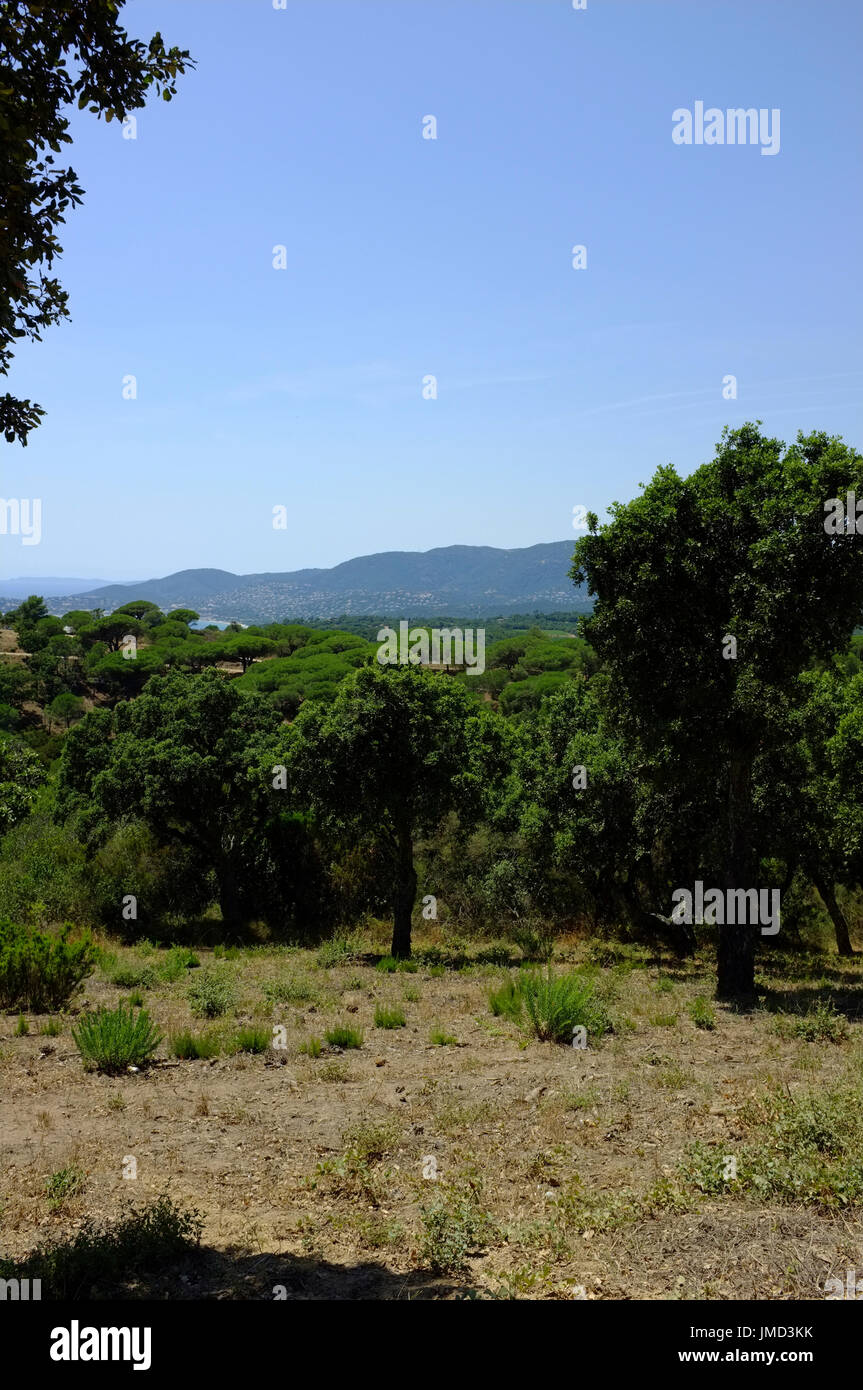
(40, 971)
(189, 1047)
(345, 1037)
(211, 994)
(99, 1256)
(455, 1227)
(389, 1017)
(556, 1005)
(111, 1040)
(250, 1040)
(820, 1023)
(65, 1183)
(805, 1148)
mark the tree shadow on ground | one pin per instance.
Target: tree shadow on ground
(847, 1001)
(239, 1275)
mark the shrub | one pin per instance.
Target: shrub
(442, 1039)
(556, 1005)
(65, 1183)
(453, 1230)
(388, 1018)
(177, 961)
(51, 1029)
(506, 1002)
(251, 1040)
(340, 951)
(701, 1014)
(140, 1243)
(344, 1037)
(820, 1023)
(39, 971)
(294, 990)
(133, 977)
(211, 994)
(22, 1027)
(388, 965)
(112, 1039)
(190, 1047)
(312, 1047)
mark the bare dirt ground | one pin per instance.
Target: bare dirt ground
(313, 1173)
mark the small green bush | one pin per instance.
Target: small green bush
(506, 1002)
(442, 1039)
(294, 990)
(340, 951)
(313, 1047)
(65, 1183)
(388, 965)
(343, 1036)
(177, 961)
(51, 1029)
(558, 1004)
(820, 1023)
(22, 1027)
(454, 1229)
(39, 971)
(133, 977)
(111, 1040)
(211, 994)
(804, 1148)
(389, 1018)
(251, 1040)
(701, 1014)
(191, 1047)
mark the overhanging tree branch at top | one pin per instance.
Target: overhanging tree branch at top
(51, 57)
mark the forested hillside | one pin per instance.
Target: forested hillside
(140, 751)
(468, 579)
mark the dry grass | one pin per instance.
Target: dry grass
(552, 1167)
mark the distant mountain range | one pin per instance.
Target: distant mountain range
(467, 580)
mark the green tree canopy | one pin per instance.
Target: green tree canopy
(398, 749)
(738, 550)
(183, 758)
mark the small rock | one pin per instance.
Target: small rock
(380, 1061)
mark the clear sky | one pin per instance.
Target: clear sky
(409, 257)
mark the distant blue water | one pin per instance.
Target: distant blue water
(201, 623)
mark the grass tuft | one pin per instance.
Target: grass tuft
(112, 1039)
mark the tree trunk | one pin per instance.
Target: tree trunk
(404, 895)
(837, 916)
(736, 956)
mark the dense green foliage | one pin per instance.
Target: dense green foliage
(279, 781)
(40, 971)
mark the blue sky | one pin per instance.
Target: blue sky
(452, 257)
